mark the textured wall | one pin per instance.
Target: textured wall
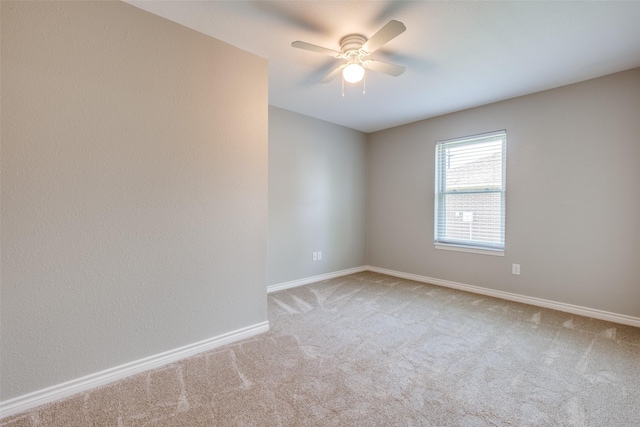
(134, 189)
(573, 198)
(317, 187)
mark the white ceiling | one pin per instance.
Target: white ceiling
(458, 54)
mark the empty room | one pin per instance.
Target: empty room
(319, 213)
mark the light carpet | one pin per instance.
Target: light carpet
(374, 350)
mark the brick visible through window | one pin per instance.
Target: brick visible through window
(470, 191)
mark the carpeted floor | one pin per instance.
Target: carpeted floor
(374, 350)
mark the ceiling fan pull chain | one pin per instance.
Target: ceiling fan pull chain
(364, 84)
(343, 87)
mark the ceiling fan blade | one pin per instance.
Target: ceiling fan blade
(384, 67)
(333, 74)
(390, 31)
(314, 48)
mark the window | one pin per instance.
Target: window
(470, 193)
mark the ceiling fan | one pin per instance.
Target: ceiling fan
(355, 49)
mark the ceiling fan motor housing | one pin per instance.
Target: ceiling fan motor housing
(352, 42)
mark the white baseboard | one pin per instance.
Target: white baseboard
(78, 385)
(560, 306)
(313, 279)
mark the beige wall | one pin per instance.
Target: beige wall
(317, 188)
(573, 199)
(134, 189)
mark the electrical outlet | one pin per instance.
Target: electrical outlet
(315, 256)
(319, 255)
(515, 269)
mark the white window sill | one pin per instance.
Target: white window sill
(459, 248)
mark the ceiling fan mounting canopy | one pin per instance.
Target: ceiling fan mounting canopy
(355, 49)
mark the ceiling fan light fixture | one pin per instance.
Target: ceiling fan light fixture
(355, 50)
(353, 73)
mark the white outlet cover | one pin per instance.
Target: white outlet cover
(319, 256)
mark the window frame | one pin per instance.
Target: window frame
(440, 211)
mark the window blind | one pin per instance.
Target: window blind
(470, 191)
